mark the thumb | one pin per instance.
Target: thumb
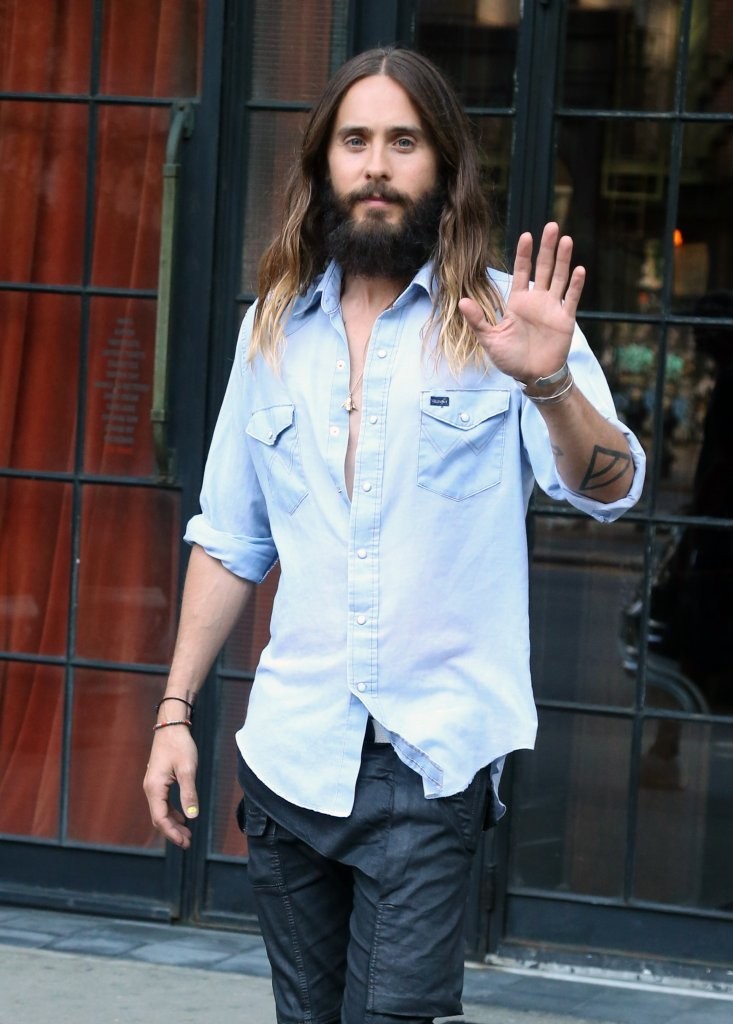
(189, 797)
(473, 313)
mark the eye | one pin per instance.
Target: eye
(353, 142)
(405, 142)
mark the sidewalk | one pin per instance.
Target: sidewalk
(63, 968)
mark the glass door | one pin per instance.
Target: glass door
(621, 832)
(91, 518)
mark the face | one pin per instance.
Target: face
(379, 154)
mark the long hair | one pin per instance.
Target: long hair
(463, 248)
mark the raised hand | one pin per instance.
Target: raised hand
(533, 338)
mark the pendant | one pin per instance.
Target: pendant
(348, 404)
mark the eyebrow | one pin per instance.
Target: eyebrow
(405, 129)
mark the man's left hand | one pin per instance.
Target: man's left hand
(533, 338)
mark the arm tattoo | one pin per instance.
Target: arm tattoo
(557, 451)
(606, 466)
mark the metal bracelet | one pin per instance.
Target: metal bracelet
(553, 378)
(547, 382)
(559, 396)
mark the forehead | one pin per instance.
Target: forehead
(376, 102)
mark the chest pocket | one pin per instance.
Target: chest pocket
(462, 436)
(277, 455)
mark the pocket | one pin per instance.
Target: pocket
(461, 441)
(467, 810)
(277, 453)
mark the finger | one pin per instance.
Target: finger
(187, 790)
(545, 265)
(167, 820)
(522, 263)
(174, 830)
(474, 314)
(561, 271)
(575, 289)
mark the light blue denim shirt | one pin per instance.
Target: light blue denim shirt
(408, 602)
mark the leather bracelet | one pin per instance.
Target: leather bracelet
(183, 700)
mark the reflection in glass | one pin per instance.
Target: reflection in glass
(108, 750)
(621, 55)
(31, 726)
(475, 44)
(688, 641)
(35, 562)
(42, 163)
(611, 194)
(494, 137)
(709, 68)
(703, 240)
(130, 156)
(166, 39)
(569, 821)
(39, 355)
(291, 48)
(45, 51)
(274, 141)
(128, 574)
(118, 437)
(686, 777)
(585, 574)
(226, 836)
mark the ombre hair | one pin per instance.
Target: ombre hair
(463, 249)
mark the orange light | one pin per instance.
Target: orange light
(677, 238)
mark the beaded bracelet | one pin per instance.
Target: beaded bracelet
(177, 721)
(183, 700)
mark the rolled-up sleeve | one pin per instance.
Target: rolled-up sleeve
(233, 525)
(590, 378)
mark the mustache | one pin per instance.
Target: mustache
(379, 190)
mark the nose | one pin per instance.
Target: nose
(377, 165)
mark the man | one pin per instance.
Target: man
(389, 408)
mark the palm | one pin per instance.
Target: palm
(533, 338)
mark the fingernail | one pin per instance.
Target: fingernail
(192, 811)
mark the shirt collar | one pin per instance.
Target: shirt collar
(326, 289)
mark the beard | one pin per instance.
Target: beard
(373, 247)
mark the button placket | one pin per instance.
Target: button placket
(365, 508)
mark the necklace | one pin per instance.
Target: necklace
(348, 402)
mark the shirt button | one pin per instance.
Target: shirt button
(361, 553)
(465, 417)
(340, 364)
(366, 487)
(374, 419)
(270, 434)
(361, 619)
(382, 352)
(334, 431)
(361, 687)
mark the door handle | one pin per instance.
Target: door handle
(182, 120)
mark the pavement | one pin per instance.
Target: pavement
(67, 968)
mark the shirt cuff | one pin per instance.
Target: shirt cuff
(607, 512)
(248, 557)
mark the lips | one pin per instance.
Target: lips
(378, 197)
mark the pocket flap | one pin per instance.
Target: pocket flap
(266, 425)
(464, 409)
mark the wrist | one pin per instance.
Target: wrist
(553, 388)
